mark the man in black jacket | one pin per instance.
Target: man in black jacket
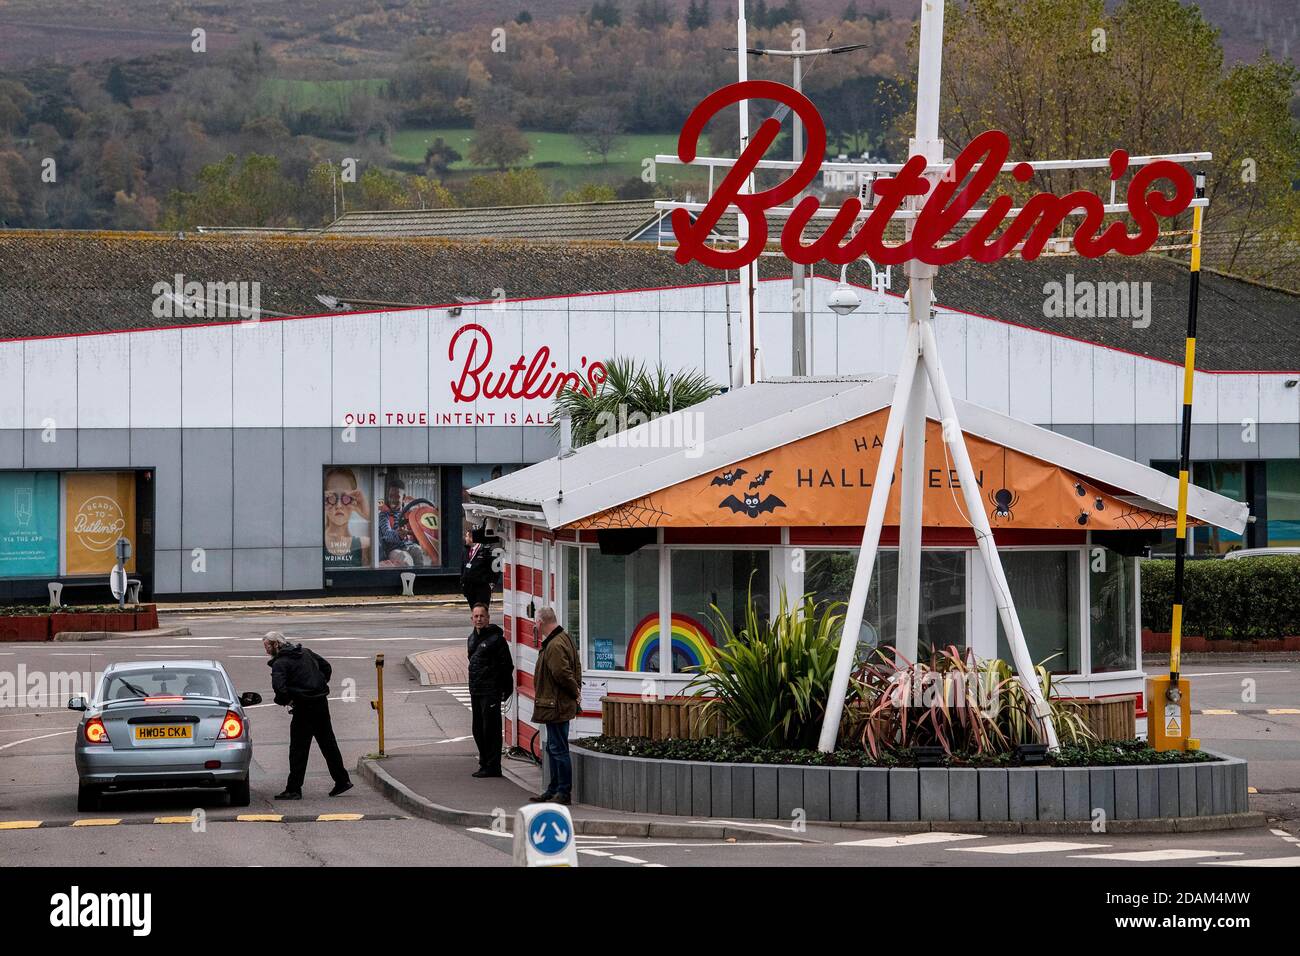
(491, 679)
(300, 679)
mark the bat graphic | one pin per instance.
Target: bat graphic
(760, 480)
(729, 477)
(752, 505)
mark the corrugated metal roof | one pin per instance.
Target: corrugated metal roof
(749, 421)
(590, 220)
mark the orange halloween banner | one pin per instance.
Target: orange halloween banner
(826, 480)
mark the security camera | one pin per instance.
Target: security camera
(843, 300)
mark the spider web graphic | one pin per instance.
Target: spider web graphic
(638, 513)
(1139, 519)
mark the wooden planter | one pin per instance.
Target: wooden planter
(146, 617)
(116, 622)
(1111, 718)
(62, 623)
(32, 627)
(669, 718)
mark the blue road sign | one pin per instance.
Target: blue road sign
(549, 832)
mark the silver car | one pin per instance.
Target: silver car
(163, 725)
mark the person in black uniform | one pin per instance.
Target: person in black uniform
(478, 574)
(300, 679)
(491, 673)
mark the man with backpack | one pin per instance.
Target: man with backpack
(300, 679)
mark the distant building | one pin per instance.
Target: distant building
(847, 180)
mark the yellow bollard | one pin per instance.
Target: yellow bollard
(378, 705)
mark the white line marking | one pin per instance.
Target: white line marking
(1040, 846)
(629, 859)
(30, 739)
(595, 852)
(1231, 673)
(1151, 856)
(913, 839)
(1267, 861)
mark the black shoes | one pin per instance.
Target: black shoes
(486, 773)
(563, 799)
(341, 788)
(289, 795)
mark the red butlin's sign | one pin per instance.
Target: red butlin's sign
(977, 166)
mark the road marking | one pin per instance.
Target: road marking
(1218, 712)
(454, 740)
(1230, 673)
(26, 740)
(1041, 846)
(339, 817)
(1267, 861)
(1151, 856)
(1282, 710)
(658, 866)
(628, 859)
(260, 817)
(97, 822)
(84, 822)
(913, 839)
(189, 819)
(595, 852)
(19, 824)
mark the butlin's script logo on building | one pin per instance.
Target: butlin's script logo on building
(76, 909)
(206, 300)
(528, 378)
(976, 166)
(99, 523)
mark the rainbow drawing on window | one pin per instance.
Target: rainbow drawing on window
(690, 643)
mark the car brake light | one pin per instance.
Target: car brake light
(163, 700)
(232, 728)
(95, 731)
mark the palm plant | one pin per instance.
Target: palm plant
(629, 395)
(769, 682)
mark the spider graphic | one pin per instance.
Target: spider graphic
(1003, 500)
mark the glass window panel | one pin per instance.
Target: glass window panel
(828, 576)
(1045, 589)
(1283, 503)
(1111, 599)
(704, 579)
(572, 592)
(622, 606)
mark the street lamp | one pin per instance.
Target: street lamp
(798, 281)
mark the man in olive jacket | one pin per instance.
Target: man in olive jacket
(557, 688)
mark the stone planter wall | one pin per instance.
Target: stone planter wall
(847, 794)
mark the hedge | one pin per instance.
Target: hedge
(1250, 598)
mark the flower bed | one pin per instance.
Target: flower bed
(41, 623)
(1123, 753)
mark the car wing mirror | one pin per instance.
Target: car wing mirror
(250, 699)
(77, 703)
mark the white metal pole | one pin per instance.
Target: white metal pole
(907, 373)
(908, 619)
(919, 298)
(744, 373)
(799, 361)
(979, 520)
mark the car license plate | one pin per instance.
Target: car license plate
(165, 732)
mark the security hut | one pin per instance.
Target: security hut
(634, 539)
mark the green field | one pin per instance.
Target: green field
(576, 165)
(328, 97)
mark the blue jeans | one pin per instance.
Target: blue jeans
(558, 760)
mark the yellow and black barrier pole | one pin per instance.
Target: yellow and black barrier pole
(378, 704)
(1169, 705)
